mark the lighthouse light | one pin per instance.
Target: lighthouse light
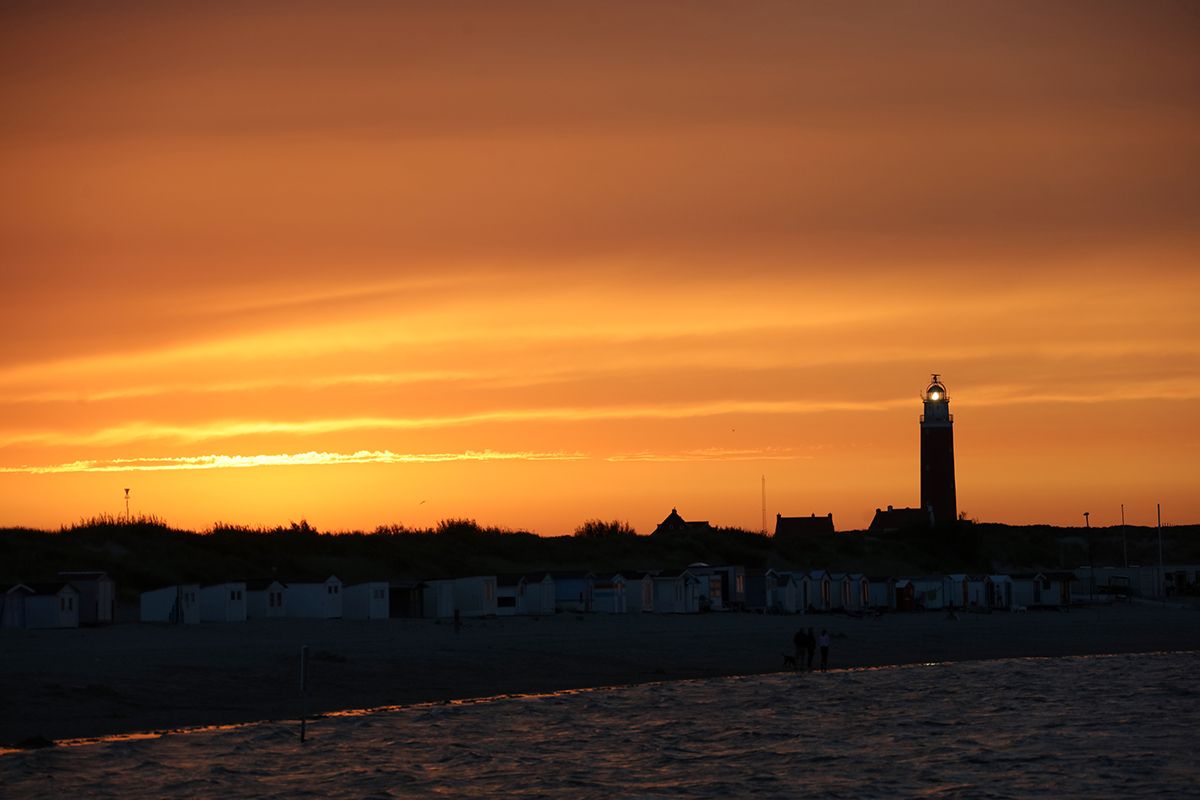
(934, 395)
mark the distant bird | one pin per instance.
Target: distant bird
(421, 503)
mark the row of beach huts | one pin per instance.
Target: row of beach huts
(89, 598)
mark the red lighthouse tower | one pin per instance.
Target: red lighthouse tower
(938, 497)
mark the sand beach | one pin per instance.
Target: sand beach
(61, 684)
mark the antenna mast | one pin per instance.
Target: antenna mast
(764, 505)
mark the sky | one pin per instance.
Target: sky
(537, 263)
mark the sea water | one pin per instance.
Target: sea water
(1100, 726)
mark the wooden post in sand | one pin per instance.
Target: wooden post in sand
(303, 690)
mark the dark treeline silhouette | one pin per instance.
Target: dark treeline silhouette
(146, 552)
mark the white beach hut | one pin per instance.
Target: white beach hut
(509, 588)
(223, 602)
(1000, 595)
(266, 598)
(760, 585)
(839, 591)
(177, 605)
(313, 598)
(537, 595)
(958, 590)
(573, 590)
(977, 592)
(639, 590)
(1027, 588)
(475, 596)
(53, 604)
(438, 599)
(1057, 588)
(12, 605)
(785, 593)
(97, 595)
(608, 595)
(882, 591)
(859, 597)
(676, 592)
(365, 600)
(709, 580)
(929, 592)
(820, 591)
(804, 591)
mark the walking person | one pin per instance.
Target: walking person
(810, 648)
(823, 643)
(798, 641)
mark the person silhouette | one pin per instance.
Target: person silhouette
(823, 643)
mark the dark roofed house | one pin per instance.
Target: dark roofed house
(677, 524)
(803, 526)
(899, 519)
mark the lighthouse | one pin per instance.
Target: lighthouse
(938, 498)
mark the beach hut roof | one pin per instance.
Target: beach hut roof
(1061, 575)
(674, 573)
(405, 584)
(635, 574)
(48, 587)
(262, 584)
(291, 579)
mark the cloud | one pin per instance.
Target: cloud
(713, 454)
(310, 458)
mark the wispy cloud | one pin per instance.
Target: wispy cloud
(310, 458)
(133, 432)
(714, 454)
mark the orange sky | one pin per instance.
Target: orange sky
(534, 263)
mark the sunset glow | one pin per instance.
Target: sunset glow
(537, 263)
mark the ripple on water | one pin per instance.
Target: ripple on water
(1015, 728)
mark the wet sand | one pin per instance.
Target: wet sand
(130, 677)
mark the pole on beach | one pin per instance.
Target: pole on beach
(1124, 546)
(1091, 558)
(1162, 573)
(303, 691)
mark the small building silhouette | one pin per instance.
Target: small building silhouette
(892, 519)
(677, 524)
(803, 526)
